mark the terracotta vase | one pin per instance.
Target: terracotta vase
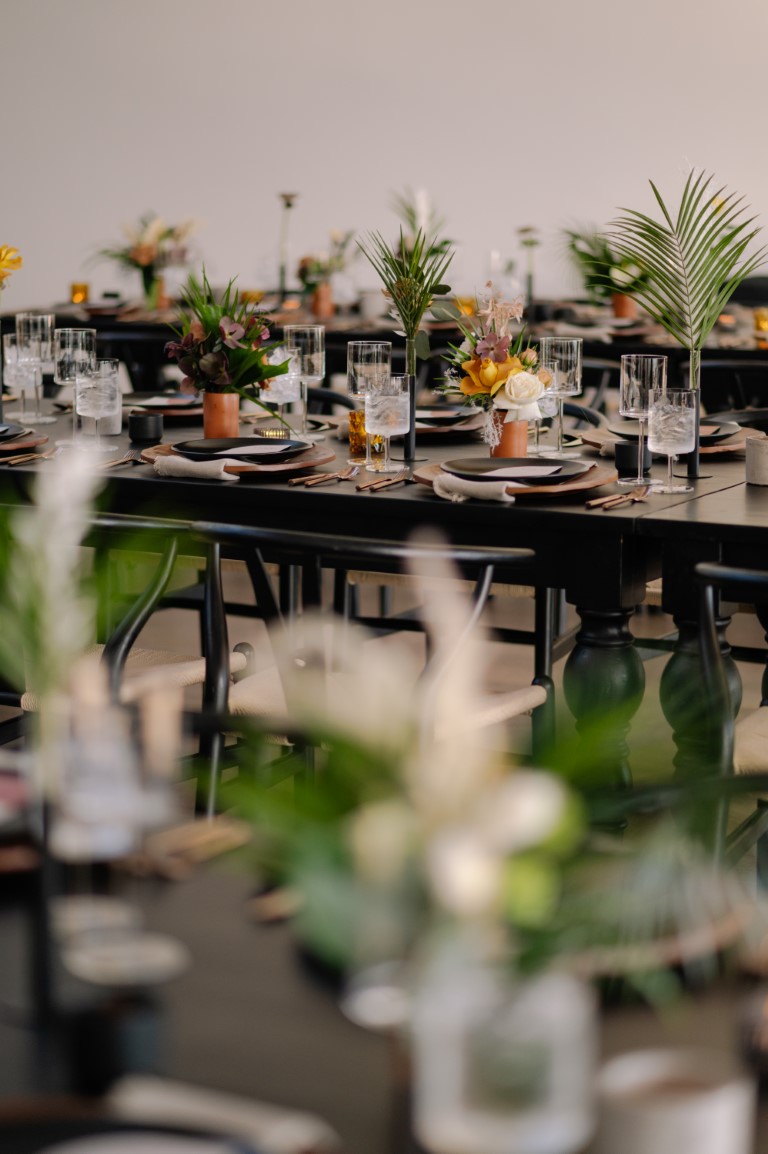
(221, 415)
(624, 306)
(513, 437)
(321, 302)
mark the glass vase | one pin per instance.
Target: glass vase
(503, 1064)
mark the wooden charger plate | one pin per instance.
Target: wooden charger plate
(20, 444)
(597, 438)
(314, 456)
(593, 478)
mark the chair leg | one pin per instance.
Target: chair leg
(762, 851)
(543, 723)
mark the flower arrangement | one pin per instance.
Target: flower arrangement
(604, 271)
(152, 245)
(10, 261)
(319, 267)
(221, 346)
(493, 369)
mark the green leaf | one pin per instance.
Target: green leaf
(422, 345)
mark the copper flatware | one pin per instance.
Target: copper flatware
(302, 480)
(343, 475)
(640, 492)
(390, 482)
(128, 458)
(392, 479)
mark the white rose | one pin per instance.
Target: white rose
(519, 396)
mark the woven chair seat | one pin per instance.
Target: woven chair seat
(161, 665)
(750, 754)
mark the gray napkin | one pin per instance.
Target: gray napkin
(176, 466)
(458, 489)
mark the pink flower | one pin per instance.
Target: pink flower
(231, 333)
(494, 346)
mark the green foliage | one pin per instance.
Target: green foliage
(602, 270)
(411, 277)
(694, 257)
(221, 346)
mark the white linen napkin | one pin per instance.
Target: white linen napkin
(458, 489)
(176, 466)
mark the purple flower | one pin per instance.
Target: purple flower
(493, 347)
(212, 364)
(231, 333)
(174, 349)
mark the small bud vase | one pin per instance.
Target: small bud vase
(513, 437)
(221, 415)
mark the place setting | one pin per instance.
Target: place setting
(489, 478)
(230, 458)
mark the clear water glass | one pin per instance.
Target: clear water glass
(97, 397)
(565, 353)
(35, 334)
(369, 366)
(285, 389)
(309, 341)
(387, 414)
(642, 375)
(21, 372)
(672, 429)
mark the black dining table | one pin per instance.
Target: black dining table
(602, 560)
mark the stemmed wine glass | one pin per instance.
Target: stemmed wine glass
(387, 414)
(547, 404)
(642, 374)
(97, 396)
(672, 429)
(565, 354)
(369, 366)
(309, 340)
(34, 333)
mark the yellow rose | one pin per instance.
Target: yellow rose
(10, 260)
(486, 376)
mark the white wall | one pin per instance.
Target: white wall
(510, 112)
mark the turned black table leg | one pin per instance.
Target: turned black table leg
(603, 682)
(683, 698)
(762, 617)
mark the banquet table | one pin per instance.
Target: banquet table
(602, 560)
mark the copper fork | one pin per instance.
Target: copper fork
(343, 475)
(638, 494)
(612, 498)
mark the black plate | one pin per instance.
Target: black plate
(627, 430)
(174, 401)
(204, 449)
(478, 468)
(443, 417)
(9, 432)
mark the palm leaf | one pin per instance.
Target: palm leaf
(695, 257)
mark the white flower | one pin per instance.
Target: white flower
(519, 396)
(153, 231)
(382, 836)
(465, 874)
(521, 812)
(624, 276)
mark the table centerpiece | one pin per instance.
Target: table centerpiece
(694, 260)
(497, 371)
(152, 246)
(412, 278)
(317, 270)
(222, 351)
(606, 276)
